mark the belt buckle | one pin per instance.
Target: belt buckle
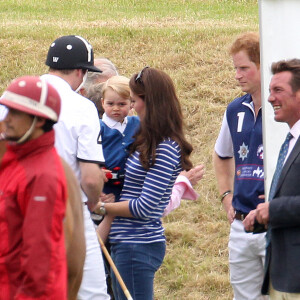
(240, 216)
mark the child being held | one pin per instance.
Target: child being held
(117, 131)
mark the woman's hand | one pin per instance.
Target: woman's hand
(194, 174)
(107, 198)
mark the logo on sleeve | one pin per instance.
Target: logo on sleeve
(260, 152)
(40, 198)
(250, 172)
(259, 173)
(243, 152)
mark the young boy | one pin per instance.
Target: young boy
(117, 131)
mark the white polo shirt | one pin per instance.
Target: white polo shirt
(114, 124)
(78, 129)
(3, 112)
(224, 145)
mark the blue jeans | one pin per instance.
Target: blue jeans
(137, 264)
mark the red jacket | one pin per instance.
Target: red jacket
(33, 197)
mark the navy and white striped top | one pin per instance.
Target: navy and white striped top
(148, 193)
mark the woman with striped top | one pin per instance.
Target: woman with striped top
(158, 155)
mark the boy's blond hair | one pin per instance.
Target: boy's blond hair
(119, 84)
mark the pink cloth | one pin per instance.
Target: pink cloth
(182, 190)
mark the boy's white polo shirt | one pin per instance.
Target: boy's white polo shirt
(114, 124)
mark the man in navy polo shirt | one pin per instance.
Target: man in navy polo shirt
(238, 162)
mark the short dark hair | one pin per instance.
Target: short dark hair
(291, 65)
(48, 126)
(63, 71)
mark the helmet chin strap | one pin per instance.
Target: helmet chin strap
(27, 133)
(83, 81)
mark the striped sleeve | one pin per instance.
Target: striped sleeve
(156, 188)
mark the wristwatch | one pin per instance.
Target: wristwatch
(102, 209)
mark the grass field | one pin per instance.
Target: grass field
(189, 40)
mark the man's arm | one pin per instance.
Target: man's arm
(257, 217)
(224, 170)
(92, 180)
(103, 228)
(43, 204)
(262, 213)
(283, 212)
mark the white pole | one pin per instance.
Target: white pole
(279, 39)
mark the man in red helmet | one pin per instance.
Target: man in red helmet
(33, 195)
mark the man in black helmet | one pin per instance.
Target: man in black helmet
(77, 131)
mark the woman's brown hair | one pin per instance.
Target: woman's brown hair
(163, 116)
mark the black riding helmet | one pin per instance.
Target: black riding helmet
(71, 52)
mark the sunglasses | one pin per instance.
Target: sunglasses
(139, 76)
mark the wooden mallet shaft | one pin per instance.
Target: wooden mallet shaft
(114, 268)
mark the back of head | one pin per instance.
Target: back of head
(119, 84)
(293, 66)
(158, 91)
(71, 52)
(163, 116)
(94, 93)
(107, 67)
(108, 70)
(248, 42)
(34, 96)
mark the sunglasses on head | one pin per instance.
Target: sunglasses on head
(139, 76)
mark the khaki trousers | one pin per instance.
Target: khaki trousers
(276, 295)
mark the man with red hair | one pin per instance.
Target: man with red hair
(238, 162)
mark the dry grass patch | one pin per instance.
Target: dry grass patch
(188, 39)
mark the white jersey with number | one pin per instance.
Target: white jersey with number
(76, 139)
(78, 129)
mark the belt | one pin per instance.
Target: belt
(240, 216)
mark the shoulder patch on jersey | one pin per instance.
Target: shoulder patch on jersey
(260, 151)
(243, 152)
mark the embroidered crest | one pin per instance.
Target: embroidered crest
(243, 152)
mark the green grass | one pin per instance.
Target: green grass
(187, 39)
(108, 10)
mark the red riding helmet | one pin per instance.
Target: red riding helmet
(34, 96)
